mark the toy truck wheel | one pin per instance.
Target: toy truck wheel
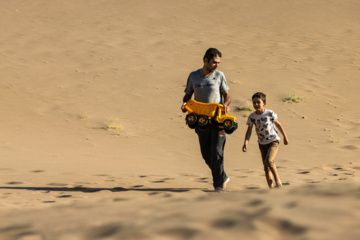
(229, 126)
(191, 120)
(203, 122)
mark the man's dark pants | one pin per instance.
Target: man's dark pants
(212, 143)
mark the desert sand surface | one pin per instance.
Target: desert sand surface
(93, 144)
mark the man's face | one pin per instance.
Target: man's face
(212, 64)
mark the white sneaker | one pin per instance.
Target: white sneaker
(225, 183)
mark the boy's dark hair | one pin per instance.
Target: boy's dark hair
(212, 53)
(260, 95)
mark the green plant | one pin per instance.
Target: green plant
(294, 99)
(114, 124)
(84, 116)
(244, 108)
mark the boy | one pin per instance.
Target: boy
(265, 121)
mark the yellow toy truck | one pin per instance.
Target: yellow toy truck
(203, 114)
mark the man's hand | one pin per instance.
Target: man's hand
(186, 98)
(183, 109)
(227, 100)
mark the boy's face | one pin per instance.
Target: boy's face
(259, 105)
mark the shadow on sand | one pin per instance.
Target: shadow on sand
(91, 190)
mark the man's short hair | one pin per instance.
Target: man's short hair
(260, 95)
(212, 53)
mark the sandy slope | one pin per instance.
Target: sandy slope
(68, 68)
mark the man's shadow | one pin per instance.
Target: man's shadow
(91, 190)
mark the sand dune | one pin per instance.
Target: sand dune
(316, 211)
(94, 145)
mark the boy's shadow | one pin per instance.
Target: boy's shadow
(91, 190)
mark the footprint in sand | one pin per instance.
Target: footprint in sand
(159, 181)
(166, 195)
(14, 183)
(180, 232)
(187, 175)
(101, 175)
(64, 196)
(38, 171)
(6, 169)
(241, 176)
(291, 205)
(255, 203)
(240, 220)
(162, 180)
(312, 181)
(226, 223)
(288, 227)
(203, 180)
(104, 231)
(18, 230)
(343, 172)
(120, 199)
(153, 193)
(165, 179)
(351, 147)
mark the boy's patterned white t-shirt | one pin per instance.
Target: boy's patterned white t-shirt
(264, 126)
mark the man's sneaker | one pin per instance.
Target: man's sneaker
(225, 183)
(219, 189)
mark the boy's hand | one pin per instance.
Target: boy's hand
(286, 141)
(244, 148)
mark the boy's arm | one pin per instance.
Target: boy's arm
(281, 129)
(247, 138)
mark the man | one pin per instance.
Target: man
(209, 86)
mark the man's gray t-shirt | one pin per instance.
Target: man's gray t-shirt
(207, 89)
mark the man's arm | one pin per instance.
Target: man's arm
(186, 98)
(227, 100)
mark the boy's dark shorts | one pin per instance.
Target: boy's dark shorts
(268, 153)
